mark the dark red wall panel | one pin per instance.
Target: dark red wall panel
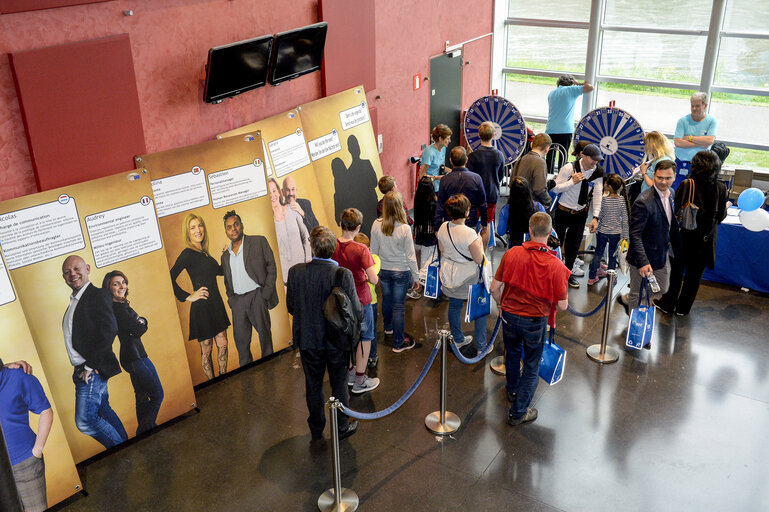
(80, 107)
(9, 6)
(349, 57)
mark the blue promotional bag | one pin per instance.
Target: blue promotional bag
(553, 360)
(641, 325)
(433, 278)
(478, 299)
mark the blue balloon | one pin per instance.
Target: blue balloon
(750, 199)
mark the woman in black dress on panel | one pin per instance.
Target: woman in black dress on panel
(208, 318)
(133, 357)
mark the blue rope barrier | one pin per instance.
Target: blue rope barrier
(401, 400)
(589, 313)
(489, 346)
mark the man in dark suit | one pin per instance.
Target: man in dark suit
(89, 328)
(654, 235)
(300, 206)
(309, 285)
(249, 279)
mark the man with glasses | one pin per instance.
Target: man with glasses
(695, 132)
(574, 182)
(654, 235)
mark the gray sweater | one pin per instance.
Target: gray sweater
(397, 251)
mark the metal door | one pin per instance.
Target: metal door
(446, 94)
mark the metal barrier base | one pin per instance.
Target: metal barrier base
(434, 425)
(497, 365)
(610, 356)
(348, 503)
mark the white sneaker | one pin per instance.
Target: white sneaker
(466, 341)
(368, 384)
(579, 262)
(577, 271)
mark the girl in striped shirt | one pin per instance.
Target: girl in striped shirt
(612, 226)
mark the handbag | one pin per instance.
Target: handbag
(641, 324)
(553, 360)
(687, 215)
(478, 299)
(433, 278)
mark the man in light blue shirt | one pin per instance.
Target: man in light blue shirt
(695, 132)
(249, 278)
(560, 112)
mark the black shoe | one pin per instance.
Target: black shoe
(648, 346)
(510, 397)
(678, 313)
(573, 282)
(663, 307)
(531, 415)
(624, 304)
(352, 427)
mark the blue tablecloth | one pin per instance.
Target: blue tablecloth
(742, 258)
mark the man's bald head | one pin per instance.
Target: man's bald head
(75, 272)
(289, 189)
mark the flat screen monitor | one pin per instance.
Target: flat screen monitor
(298, 52)
(237, 67)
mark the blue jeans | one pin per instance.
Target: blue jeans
(601, 240)
(525, 335)
(456, 307)
(374, 311)
(395, 284)
(93, 415)
(148, 391)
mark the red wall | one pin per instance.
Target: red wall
(170, 40)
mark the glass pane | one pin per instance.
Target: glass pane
(692, 14)
(741, 117)
(655, 108)
(554, 49)
(529, 94)
(567, 10)
(653, 56)
(747, 159)
(743, 62)
(746, 16)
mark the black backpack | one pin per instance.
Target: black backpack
(342, 326)
(720, 149)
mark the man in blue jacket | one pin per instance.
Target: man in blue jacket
(654, 235)
(462, 181)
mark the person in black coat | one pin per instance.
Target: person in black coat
(308, 287)
(133, 356)
(89, 329)
(698, 245)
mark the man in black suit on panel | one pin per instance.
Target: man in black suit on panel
(654, 235)
(249, 279)
(309, 285)
(89, 328)
(301, 206)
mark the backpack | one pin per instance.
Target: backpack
(342, 326)
(720, 149)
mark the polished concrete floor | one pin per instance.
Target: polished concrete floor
(681, 427)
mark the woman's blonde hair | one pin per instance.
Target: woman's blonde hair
(657, 146)
(392, 211)
(186, 227)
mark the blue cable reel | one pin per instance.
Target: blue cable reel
(509, 127)
(619, 136)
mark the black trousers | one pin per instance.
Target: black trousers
(569, 227)
(683, 288)
(564, 139)
(249, 310)
(315, 362)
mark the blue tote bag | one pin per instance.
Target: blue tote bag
(641, 325)
(478, 299)
(433, 278)
(553, 360)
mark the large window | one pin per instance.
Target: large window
(649, 57)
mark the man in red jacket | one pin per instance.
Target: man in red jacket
(530, 284)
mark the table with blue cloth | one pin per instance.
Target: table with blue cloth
(742, 256)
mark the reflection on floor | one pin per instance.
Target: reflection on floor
(680, 427)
